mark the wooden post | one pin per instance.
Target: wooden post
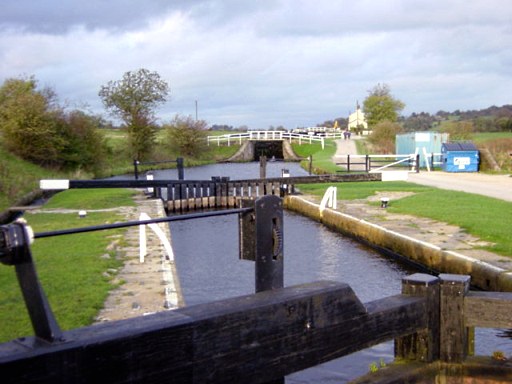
(263, 167)
(453, 331)
(310, 165)
(422, 345)
(181, 169)
(136, 169)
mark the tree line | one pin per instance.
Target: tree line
(36, 128)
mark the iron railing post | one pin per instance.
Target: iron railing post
(181, 168)
(269, 243)
(16, 251)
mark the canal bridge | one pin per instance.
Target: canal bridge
(268, 143)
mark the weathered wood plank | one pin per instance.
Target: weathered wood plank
(249, 339)
(454, 333)
(424, 344)
(488, 309)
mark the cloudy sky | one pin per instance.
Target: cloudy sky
(266, 62)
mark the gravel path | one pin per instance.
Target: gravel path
(497, 186)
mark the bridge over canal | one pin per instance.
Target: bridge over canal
(268, 143)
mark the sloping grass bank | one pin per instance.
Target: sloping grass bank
(322, 158)
(483, 217)
(76, 271)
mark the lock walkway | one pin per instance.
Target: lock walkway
(148, 287)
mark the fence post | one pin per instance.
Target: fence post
(453, 332)
(367, 164)
(181, 171)
(263, 167)
(417, 163)
(348, 163)
(423, 345)
(136, 169)
(310, 165)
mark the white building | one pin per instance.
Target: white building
(357, 119)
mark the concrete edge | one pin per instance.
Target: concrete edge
(172, 289)
(483, 275)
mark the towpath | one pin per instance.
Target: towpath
(147, 287)
(446, 236)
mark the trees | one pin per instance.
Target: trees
(383, 136)
(380, 105)
(186, 136)
(28, 121)
(133, 99)
(35, 128)
(459, 130)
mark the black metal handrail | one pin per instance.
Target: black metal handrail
(126, 224)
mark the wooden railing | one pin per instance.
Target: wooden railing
(262, 337)
(379, 163)
(238, 138)
(219, 192)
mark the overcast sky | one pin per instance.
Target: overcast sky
(266, 62)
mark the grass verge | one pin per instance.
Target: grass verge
(322, 158)
(72, 268)
(483, 217)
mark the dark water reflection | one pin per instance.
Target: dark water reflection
(207, 261)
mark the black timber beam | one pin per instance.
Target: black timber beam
(130, 183)
(249, 339)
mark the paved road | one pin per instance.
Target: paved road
(497, 186)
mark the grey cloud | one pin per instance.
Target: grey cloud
(56, 16)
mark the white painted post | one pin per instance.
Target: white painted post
(426, 158)
(158, 231)
(142, 238)
(329, 200)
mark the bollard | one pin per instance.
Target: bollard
(453, 332)
(423, 345)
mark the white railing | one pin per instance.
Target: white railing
(368, 163)
(329, 200)
(171, 300)
(238, 138)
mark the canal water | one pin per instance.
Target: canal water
(207, 261)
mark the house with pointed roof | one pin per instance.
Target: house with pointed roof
(357, 122)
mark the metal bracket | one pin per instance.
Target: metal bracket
(15, 250)
(261, 240)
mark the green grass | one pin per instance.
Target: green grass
(483, 217)
(100, 198)
(70, 267)
(482, 137)
(18, 178)
(362, 190)
(322, 158)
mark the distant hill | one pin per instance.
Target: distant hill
(491, 119)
